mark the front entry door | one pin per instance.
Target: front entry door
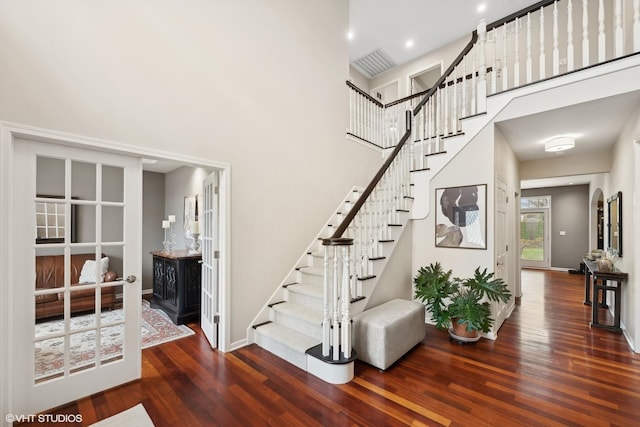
(77, 248)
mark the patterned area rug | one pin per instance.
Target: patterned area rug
(156, 328)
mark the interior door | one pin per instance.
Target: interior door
(501, 310)
(209, 316)
(77, 322)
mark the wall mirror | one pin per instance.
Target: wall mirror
(615, 222)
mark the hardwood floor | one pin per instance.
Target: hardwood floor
(546, 368)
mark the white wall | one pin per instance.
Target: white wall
(180, 183)
(359, 79)
(580, 164)
(507, 169)
(222, 81)
(473, 165)
(619, 179)
(444, 56)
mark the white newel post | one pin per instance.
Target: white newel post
(505, 72)
(585, 33)
(494, 63)
(345, 326)
(516, 57)
(481, 96)
(618, 41)
(335, 333)
(326, 322)
(556, 52)
(570, 35)
(602, 54)
(543, 64)
(636, 25)
(529, 60)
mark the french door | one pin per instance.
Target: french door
(209, 316)
(534, 238)
(77, 248)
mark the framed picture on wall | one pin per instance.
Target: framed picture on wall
(461, 217)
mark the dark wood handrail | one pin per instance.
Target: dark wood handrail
(365, 94)
(519, 14)
(447, 73)
(390, 104)
(406, 98)
(337, 235)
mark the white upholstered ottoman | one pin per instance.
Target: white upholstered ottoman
(385, 333)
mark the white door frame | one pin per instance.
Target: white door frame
(8, 133)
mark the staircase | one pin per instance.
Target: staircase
(307, 320)
(292, 323)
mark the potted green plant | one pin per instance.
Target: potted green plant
(459, 305)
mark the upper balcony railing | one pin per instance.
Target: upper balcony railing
(545, 40)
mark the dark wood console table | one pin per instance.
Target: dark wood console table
(177, 285)
(598, 283)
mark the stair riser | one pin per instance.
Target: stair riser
(306, 300)
(296, 324)
(282, 351)
(311, 279)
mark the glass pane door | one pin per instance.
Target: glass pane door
(534, 240)
(79, 326)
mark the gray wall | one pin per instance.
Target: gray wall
(180, 183)
(569, 213)
(152, 216)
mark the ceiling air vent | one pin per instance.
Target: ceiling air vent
(374, 63)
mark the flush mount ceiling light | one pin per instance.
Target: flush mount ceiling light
(559, 144)
(409, 44)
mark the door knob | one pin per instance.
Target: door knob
(131, 278)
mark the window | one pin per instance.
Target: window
(535, 202)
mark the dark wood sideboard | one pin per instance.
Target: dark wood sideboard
(177, 284)
(596, 285)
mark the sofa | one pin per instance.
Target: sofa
(50, 274)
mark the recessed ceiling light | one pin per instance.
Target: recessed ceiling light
(482, 7)
(409, 43)
(350, 35)
(562, 143)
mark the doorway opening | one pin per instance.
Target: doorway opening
(423, 80)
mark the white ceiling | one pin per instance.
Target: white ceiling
(388, 24)
(595, 125)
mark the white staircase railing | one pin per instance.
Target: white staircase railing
(501, 56)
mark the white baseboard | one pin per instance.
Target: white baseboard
(147, 291)
(238, 344)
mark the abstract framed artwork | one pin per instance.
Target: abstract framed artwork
(461, 217)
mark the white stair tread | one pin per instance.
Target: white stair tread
(295, 340)
(306, 289)
(301, 312)
(317, 254)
